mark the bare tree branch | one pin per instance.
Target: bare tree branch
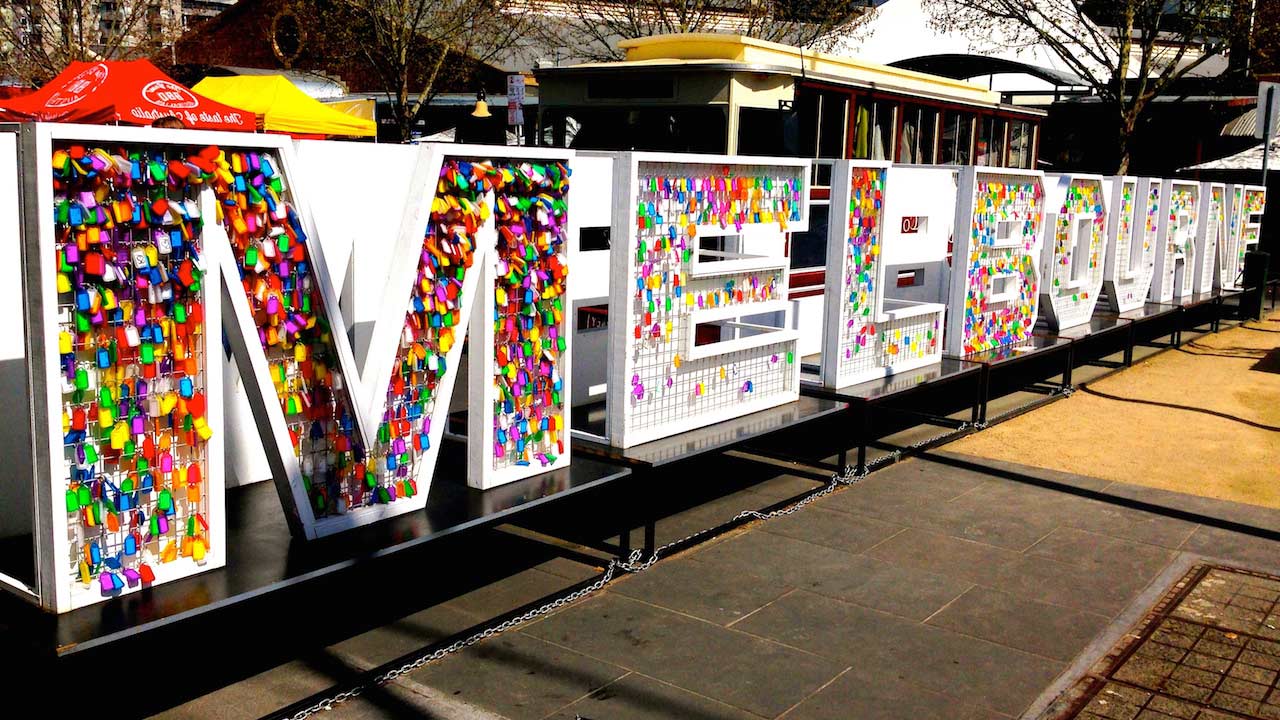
(1098, 40)
(591, 29)
(39, 38)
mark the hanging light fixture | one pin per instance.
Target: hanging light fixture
(482, 107)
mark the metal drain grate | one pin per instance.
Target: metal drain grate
(1210, 650)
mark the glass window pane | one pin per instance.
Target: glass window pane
(1020, 144)
(928, 136)
(990, 150)
(873, 130)
(862, 130)
(919, 130)
(883, 124)
(909, 135)
(821, 174)
(809, 248)
(807, 117)
(957, 139)
(997, 142)
(831, 127)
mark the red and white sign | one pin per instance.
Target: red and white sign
(515, 99)
(80, 86)
(910, 225)
(170, 95)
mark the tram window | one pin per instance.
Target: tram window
(919, 130)
(957, 139)
(674, 129)
(873, 133)
(990, 142)
(767, 132)
(809, 248)
(807, 119)
(1020, 134)
(833, 113)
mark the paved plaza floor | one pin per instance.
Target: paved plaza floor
(928, 590)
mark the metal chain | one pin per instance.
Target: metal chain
(632, 564)
(1064, 391)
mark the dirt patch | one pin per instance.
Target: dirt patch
(1204, 420)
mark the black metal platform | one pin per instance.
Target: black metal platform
(1027, 365)
(1203, 309)
(1105, 334)
(267, 569)
(881, 407)
(1153, 321)
(789, 423)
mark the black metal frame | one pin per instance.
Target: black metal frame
(1104, 335)
(1026, 366)
(876, 409)
(674, 454)
(1153, 321)
(1201, 310)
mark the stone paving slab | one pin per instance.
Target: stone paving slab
(744, 670)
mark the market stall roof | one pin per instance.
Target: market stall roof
(132, 92)
(283, 106)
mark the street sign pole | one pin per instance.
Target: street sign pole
(515, 105)
(1267, 119)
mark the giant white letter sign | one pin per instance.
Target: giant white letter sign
(1072, 258)
(1244, 228)
(866, 335)
(1209, 235)
(994, 285)
(1176, 246)
(700, 328)
(1132, 222)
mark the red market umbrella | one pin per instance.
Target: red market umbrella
(132, 92)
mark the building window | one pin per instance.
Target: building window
(956, 147)
(919, 132)
(873, 134)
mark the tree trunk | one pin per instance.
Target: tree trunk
(404, 113)
(1124, 139)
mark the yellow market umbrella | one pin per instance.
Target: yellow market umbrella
(282, 106)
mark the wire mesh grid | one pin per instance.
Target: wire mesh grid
(132, 347)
